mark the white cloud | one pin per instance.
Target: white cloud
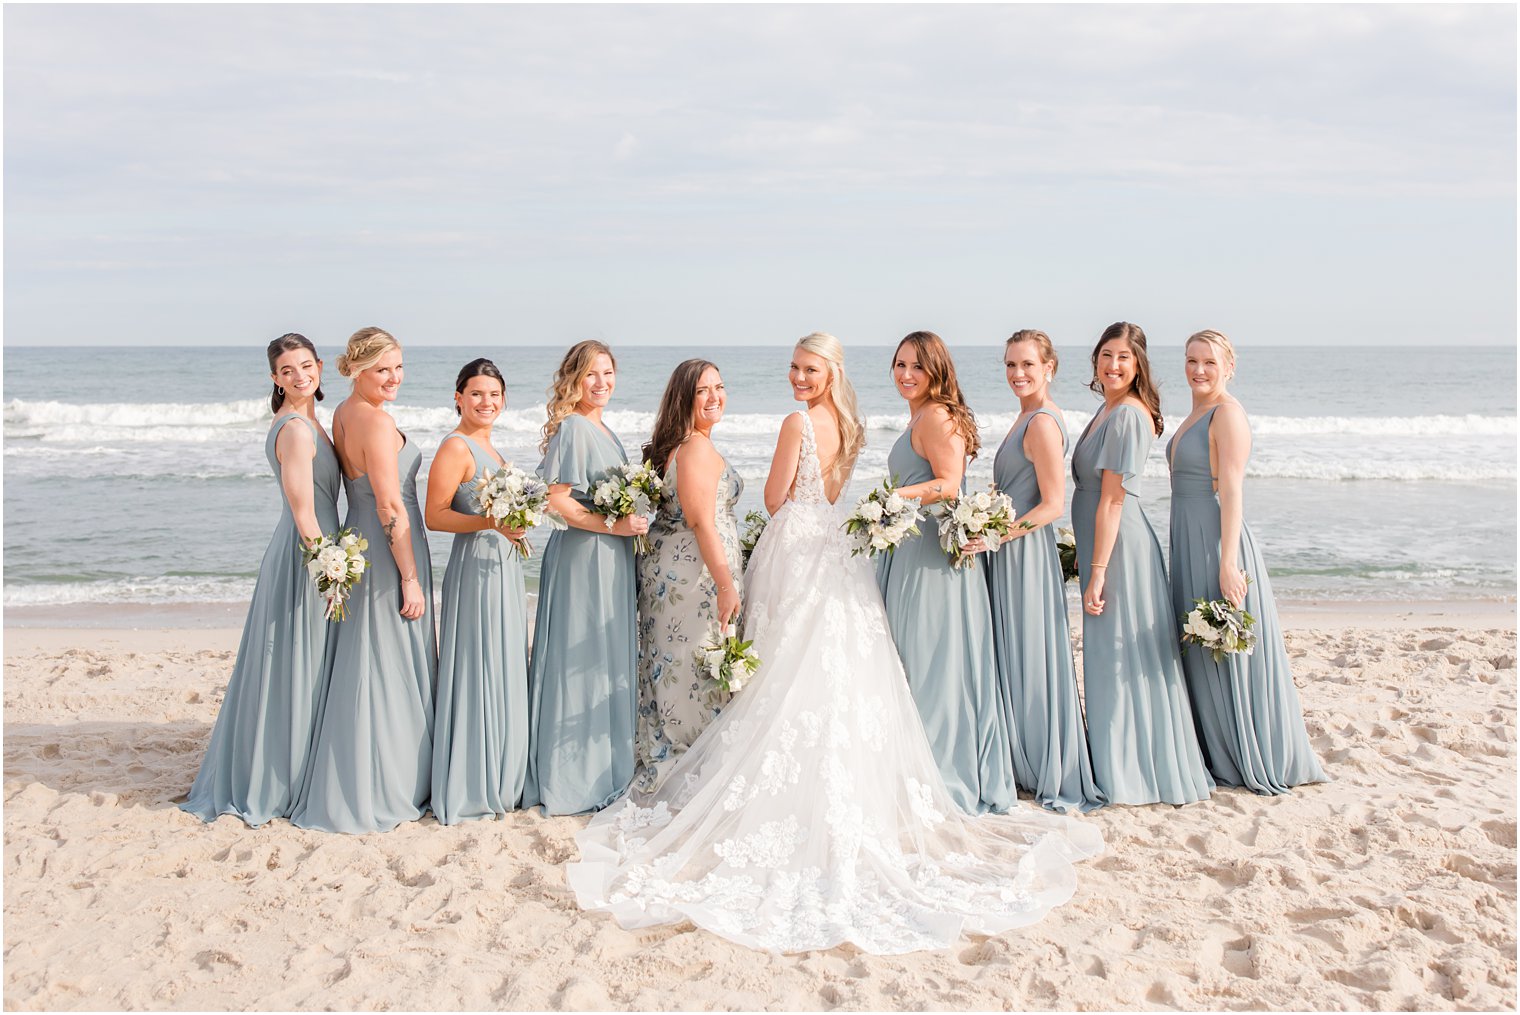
(262, 134)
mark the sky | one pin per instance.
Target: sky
(743, 175)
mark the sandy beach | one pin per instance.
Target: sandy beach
(1392, 887)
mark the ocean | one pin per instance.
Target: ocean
(136, 477)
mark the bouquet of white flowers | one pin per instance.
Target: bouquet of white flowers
(514, 499)
(1066, 546)
(629, 490)
(881, 520)
(335, 562)
(754, 525)
(987, 514)
(727, 661)
(1220, 626)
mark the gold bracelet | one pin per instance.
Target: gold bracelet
(1096, 564)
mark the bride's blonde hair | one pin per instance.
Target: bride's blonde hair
(852, 430)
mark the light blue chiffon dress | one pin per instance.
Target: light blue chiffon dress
(678, 609)
(942, 623)
(1246, 706)
(1139, 720)
(1031, 638)
(373, 751)
(257, 756)
(480, 724)
(582, 680)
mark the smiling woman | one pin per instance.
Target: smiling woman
(480, 728)
(1139, 719)
(689, 579)
(939, 614)
(372, 749)
(582, 695)
(257, 757)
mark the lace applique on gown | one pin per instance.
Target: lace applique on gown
(811, 812)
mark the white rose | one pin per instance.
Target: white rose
(878, 542)
(963, 513)
(314, 567)
(983, 500)
(895, 504)
(871, 511)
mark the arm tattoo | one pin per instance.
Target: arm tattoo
(390, 530)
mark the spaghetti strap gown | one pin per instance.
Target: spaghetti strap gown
(1139, 720)
(257, 756)
(1031, 640)
(678, 608)
(1247, 708)
(582, 679)
(942, 623)
(480, 724)
(373, 750)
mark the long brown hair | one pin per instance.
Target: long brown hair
(1142, 386)
(565, 392)
(672, 424)
(289, 343)
(943, 387)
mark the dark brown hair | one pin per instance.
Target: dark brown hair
(1142, 386)
(481, 367)
(289, 342)
(672, 424)
(943, 387)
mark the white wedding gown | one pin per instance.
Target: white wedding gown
(811, 812)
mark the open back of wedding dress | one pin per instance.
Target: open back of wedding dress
(811, 812)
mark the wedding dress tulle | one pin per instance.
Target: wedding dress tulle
(811, 812)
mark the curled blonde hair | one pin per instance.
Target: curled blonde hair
(842, 401)
(565, 392)
(1219, 340)
(365, 347)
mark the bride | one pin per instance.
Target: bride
(811, 812)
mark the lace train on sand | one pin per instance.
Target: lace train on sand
(811, 812)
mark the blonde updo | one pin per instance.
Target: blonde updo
(365, 347)
(1219, 341)
(1041, 342)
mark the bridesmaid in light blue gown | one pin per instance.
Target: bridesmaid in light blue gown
(1139, 720)
(370, 761)
(1246, 706)
(582, 678)
(688, 581)
(258, 750)
(480, 724)
(1031, 635)
(939, 615)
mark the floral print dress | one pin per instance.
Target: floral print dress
(678, 608)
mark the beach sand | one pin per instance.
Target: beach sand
(1393, 887)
